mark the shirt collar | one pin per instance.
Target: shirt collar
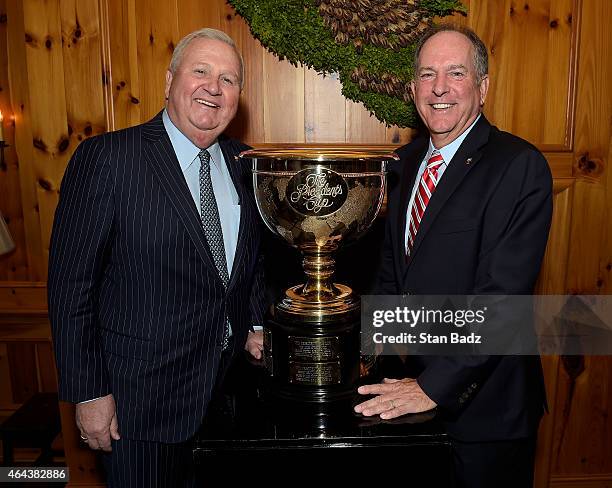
(185, 150)
(448, 151)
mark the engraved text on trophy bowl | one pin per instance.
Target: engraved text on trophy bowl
(339, 206)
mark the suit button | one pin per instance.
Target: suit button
(474, 385)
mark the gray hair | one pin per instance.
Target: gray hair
(481, 57)
(205, 33)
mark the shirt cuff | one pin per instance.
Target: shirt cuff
(87, 401)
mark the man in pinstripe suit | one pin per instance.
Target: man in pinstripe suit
(155, 278)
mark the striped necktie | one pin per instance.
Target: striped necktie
(427, 185)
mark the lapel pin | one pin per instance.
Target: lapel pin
(468, 161)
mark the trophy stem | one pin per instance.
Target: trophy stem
(319, 296)
(319, 266)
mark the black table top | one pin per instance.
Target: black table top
(246, 417)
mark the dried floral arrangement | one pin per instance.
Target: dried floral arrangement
(369, 43)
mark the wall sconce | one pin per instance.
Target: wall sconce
(6, 241)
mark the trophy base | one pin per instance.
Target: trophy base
(312, 359)
(312, 306)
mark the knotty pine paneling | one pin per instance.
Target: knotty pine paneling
(122, 80)
(22, 143)
(552, 282)
(93, 61)
(531, 52)
(79, 67)
(592, 252)
(582, 440)
(156, 35)
(45, 69)
(15, 265)
(83, 73)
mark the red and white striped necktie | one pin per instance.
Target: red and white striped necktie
(427, 185)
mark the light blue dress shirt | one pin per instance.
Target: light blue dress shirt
(447, 152)
(223, 186)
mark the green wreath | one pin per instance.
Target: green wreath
(369, 43)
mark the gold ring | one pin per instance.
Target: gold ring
(392, 404)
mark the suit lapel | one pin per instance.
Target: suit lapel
(466, 157)
(159, 154)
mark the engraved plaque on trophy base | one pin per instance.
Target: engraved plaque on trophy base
(315, 361)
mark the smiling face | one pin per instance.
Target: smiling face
(204, 90)
(447, 92)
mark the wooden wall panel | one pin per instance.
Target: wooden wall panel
(552, 282)
(45, 67)
(281, 103)
(249, 123)
(361, 127)
(549, 83)
(283, 96)
(530, 55)
(560, 80)
(123, 77)
(83, 73)
(6, 388)
(552, 278)
(324, 108)
(24, 297)
(398, 137)
(193, 15)
(584, 398)
(15, 265)
(156, 35)
(45, 362)
(592, 144)
(604, 481)
(25, 192)
(605, 261)
(583, 432)
(584, 253)
(22, 364)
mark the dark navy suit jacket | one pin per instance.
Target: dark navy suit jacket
(136, 304)
(484, 232)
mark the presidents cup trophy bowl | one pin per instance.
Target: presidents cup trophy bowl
(316, 199)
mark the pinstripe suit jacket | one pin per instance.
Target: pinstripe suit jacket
(137, 307)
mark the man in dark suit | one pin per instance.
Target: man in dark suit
(155, 275)
(469, 214)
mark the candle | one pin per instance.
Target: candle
(1, 128)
